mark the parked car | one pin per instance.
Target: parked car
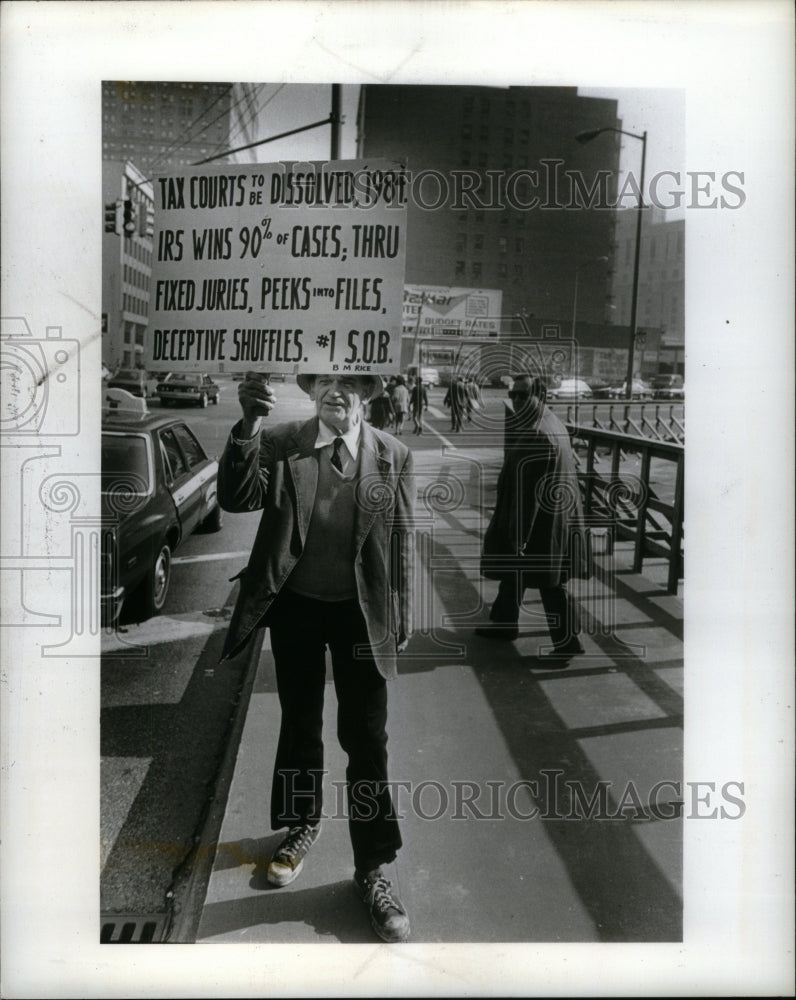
(640, 390)
(158, 485)
(133, 380)
(188, 388)
(600, 387)
(667, 387)
(571, 388)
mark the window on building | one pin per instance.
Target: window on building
(461, 242)
(476, 269)
(459, 267)
(519, 245)
(479, 241)
(502, 244)
(502, 270)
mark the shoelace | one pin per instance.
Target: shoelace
(298, 839)
(382, 896)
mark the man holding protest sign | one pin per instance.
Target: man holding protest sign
(332, 566)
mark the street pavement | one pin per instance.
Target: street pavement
(537, 805)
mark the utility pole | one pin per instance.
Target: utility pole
(334, 118)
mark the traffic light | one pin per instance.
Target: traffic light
(129, 217)
(112, 217)
(146, 227)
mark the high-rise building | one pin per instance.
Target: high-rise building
(661, 296)
(126, 264)
(162, 125)
(533, 217)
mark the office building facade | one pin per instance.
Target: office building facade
(533, 218)
(661, 296)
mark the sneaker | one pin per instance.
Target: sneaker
(288, 859)
(388, 918)
(506, 632)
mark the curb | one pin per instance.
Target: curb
(190, 883)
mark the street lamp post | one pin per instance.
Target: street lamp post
(584, 137)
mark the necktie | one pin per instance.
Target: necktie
(337, 460)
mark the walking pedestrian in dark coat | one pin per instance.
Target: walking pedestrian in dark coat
(456, 400)
(381, 411)
(536, 537)
(418, 400)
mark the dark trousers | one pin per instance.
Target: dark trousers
(563, 619)
(301, 629)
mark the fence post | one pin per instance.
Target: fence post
(641, 527)
(677, 528)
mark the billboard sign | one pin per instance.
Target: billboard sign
(439, 311)
(280, 267)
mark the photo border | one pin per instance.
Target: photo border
(735, 61)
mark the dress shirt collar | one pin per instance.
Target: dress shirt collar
(350, 439)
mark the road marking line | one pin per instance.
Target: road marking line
(210, 557)
(448, 444)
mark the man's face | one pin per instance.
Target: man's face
(520, 393)
(338, 399)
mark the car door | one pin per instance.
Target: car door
(178, 480)
(203, 475)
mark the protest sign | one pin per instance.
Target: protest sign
(280, 267)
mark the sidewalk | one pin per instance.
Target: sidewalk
(528, 796)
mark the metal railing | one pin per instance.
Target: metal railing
(626, 502)
(660, 421)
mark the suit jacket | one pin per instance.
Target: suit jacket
(277, 473)
(537, 526)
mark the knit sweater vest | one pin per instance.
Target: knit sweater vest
(325, 569)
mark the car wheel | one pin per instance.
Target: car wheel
(214, 520)
(156, 583)
(203, 400)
